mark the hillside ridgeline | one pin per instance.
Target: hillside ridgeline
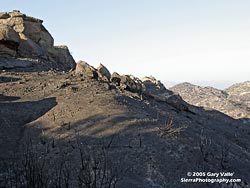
(87, 127)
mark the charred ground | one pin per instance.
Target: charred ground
(88, 128)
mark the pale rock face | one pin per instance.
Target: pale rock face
(86, 69)
(103, 71)
(24, 36)
(16, 13)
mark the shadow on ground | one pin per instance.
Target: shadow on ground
(4, 98)
(4, 79)
(210, 142)
(14, 115)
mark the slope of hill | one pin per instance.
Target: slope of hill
(240, 93)
(62, 112)
(212, 98)
(88, 128)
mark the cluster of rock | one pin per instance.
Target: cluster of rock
(147, 87)
(23, 36)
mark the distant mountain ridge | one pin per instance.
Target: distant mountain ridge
(240, 92)
(233, 101)
(204, 83)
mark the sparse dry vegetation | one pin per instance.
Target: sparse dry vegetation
(30, 169)
(169, 130)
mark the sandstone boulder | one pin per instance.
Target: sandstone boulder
(16, 13)
(127, 82)
(31, 27)
(103, 72)
(115, 79)
(23, 36)
(133, 84)
(87, 70)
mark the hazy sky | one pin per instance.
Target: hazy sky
(173, 40)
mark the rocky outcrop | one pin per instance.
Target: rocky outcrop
(145, 88)
(115, 79)
(127, 82)
(155, 89)
(23, 36)
(151, 86)
(100, 73)
(86, 70)
(103, 72)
